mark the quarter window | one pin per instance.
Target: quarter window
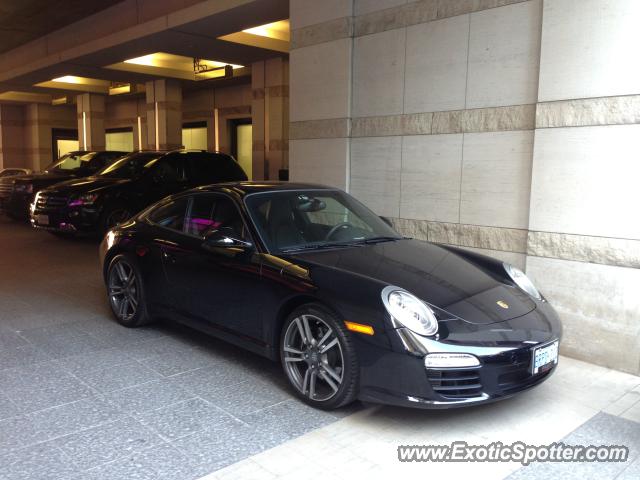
(170, 214)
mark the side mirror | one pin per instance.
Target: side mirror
(386, 220)
(221, 239)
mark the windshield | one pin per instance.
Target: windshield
(131, 166)
(313, 219)
(71, 162)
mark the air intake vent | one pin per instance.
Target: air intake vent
(456, 382)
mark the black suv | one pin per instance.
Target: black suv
(95, 204)
(19, 192)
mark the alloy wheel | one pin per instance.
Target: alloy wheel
(123, 290)
(313, 358)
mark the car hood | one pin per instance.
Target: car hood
(87, 185)
(439, 276)
(42, 180)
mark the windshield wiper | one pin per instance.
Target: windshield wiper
(354, 243)
(372, 240)
(322, 246)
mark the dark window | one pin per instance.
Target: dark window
(214, 168)
(170, 214)
(131, 165)
(171, 169)
(210, 213)
(103, 159)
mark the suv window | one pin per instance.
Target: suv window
(171, 169)
(170, 214)
(213, 212)
(100, 160)
(214, 168)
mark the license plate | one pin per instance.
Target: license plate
(42, 219)
(544, 357)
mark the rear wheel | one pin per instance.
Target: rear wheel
(318, 358)
(126, 292)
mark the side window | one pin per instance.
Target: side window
(170, 214)
(210, 213)
(212, 168)
(203, 169)
(170, 169)
(98, 162)
(231, 170)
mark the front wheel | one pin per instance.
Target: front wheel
(126, 292)
(114, 217)
(318, 358)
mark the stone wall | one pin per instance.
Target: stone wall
(508, 127)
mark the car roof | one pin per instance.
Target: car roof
(247, 187)
(180, 152)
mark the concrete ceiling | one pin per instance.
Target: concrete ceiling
(196, 37)
(24, 20)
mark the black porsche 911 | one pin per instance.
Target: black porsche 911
(308, 276)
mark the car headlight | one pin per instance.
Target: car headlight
(522, 280)
(409, 310)
(24, 187)
(80, 200)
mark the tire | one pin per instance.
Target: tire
(328, 362)
(121, 288)
(113, 216)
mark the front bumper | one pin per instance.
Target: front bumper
(17, 205)
(398, 376)
(75, 220)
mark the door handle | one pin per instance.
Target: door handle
(168, 257)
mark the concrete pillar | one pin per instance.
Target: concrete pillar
(140, 129)
(164, 114)
(270, 117)
(12, 152)
(276, 115)
(260, 172)
(91, 134)
(37, 135)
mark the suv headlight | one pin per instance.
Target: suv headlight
(409, 311)
(80, 200)
(522, 280)
(23, 187)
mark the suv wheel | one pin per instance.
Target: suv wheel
(114, 216)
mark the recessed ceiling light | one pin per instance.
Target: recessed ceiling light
(278, 30)
(68, 79)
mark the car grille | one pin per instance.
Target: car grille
(6, 189)
(49, 202)
(517, 372)
(456, 382)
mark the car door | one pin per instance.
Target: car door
(217, 287)
(165, 234)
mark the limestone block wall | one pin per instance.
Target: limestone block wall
(505, 126)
